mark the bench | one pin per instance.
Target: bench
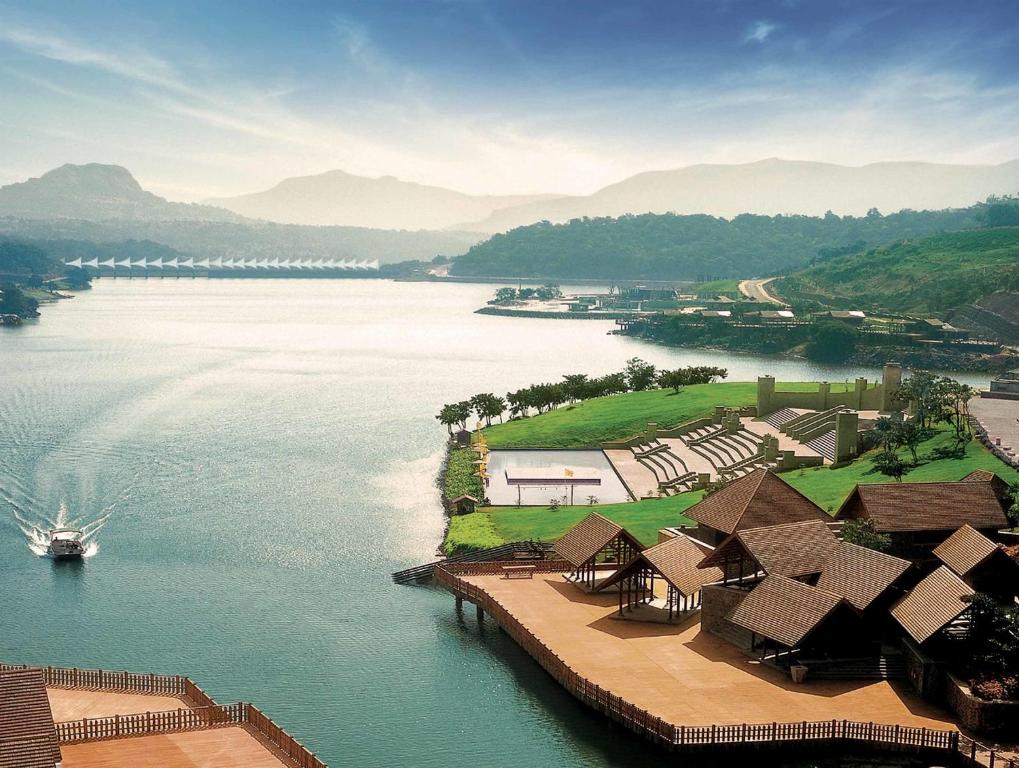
(518, 571)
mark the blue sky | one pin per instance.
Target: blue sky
(208, 98)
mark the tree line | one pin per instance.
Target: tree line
(701, 247)
(638, 376)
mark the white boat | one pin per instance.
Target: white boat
(66, 543)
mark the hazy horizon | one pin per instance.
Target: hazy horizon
(202, 101)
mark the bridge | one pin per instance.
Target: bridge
(223, 266)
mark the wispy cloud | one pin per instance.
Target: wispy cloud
(759, 31)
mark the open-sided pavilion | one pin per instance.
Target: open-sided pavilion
(596, 545)
(674, 564)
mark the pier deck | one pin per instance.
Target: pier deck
(77, 703)
(685, 676)
(229, 747)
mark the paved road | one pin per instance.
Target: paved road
(756, 290)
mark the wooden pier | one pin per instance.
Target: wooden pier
(697, 693)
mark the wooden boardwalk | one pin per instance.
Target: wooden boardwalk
(229, 747)
(76, 703)
(692, 680)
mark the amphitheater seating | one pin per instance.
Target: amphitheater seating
(670, 471)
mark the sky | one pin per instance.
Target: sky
(204, 99)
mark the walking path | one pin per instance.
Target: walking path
(756, 290)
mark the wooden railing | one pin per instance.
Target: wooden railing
(198, 718)
(106, 680)
(488, 568)
(660, 731)
(205, 713)
(149, 723)
(286, 743)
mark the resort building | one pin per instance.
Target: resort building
(980, 563)
(920, 516)
(28, 736)
(795, 550)
(596, 547)
(757, 500)
(934, 609)
(674, 564)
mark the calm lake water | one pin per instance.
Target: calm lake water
(256, 458)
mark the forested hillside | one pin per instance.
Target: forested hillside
(671, 247)
(931, 275)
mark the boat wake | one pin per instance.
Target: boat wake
(37, 534)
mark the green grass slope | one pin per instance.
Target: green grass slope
(615, 417)
(931, 275)
(826, 487)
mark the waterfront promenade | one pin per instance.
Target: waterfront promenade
(685, 676)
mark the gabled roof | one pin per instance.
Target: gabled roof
(784, 610)
(28, 738)
(676, 561)
(859, 574)
(754, 501)
(903, 507)
(792, 549)
(588, 537)
(965, 549)
(999, 486)
(933, 604)
(464, 497)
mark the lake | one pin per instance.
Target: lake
(255, 458)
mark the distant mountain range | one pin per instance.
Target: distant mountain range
(105, 204)
(773, 187)
(97, 192)
(339, 198)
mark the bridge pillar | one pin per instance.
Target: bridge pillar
(459, 604)
(481, 614)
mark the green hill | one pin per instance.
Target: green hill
(697, 247)
(928, 276)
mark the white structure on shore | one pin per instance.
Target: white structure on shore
(220, 264)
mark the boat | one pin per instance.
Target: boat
(66, 543)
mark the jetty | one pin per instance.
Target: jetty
(688, 690)
(94, 718)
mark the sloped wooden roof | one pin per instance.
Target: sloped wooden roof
(933, 604)
(756, 500)
(999, 486)
(965, 549)
(791, 549)
(675, 560)
(904, 507)
(28, 738)
(784, 610)
(589, 537)
(859, 574)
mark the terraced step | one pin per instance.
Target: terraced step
(780, 417)
(824, 445)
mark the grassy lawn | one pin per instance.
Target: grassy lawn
(826, 487)
(491, 526)
(829, 487)
(587, 424)
(714, 287)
